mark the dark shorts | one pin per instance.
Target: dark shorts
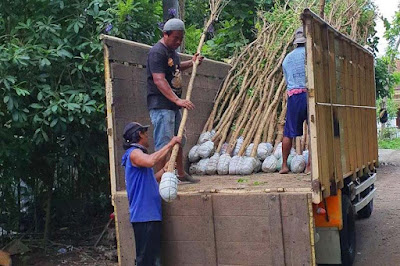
(148, 243)
(296, 115)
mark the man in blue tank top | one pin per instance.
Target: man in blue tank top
(294, 71)
(142, 189)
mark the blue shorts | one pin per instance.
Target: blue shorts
(166, 125)
(296, 115)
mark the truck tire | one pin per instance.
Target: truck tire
(348, 233)
(367, 210)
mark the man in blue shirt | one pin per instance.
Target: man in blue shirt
(295, 75)
(142, 188)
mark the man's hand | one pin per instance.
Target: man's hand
(185, 104)
(176, 140)
(194, 58)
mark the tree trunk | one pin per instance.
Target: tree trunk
(169, 4)
(321, 8)
(48, 210)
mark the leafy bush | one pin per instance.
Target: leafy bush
(53, 144)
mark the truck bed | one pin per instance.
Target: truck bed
(260, 182)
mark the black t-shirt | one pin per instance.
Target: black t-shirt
(162, 60)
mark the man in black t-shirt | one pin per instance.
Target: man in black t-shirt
(164, 90)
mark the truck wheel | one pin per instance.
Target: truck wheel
(348, 233)
(367, 210)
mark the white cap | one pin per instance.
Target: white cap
(299, 36)
(174, 24)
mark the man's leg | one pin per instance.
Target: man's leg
(286, 146)
(180, 167)
(148, 243)
(163, 121)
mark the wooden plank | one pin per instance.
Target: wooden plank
(348, 69)
(311, 81)
(110, 127)
(335, 63)
(324, 113)
(136, 53)
(188, 231)
(356, 101)
(363, 102)
(124, 230)
(248, 229)
(343, 112)
(296, 229)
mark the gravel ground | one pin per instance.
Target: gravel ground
(378, 237)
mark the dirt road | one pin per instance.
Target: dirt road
(378, 237)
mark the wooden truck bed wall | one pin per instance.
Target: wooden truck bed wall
(262, 226)
(342, 112)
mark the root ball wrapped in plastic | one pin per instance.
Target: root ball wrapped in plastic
(223, 164)
(204, 137)
(193, 155)
(206, 149)
(249, 149)
(293, 151)
(264, 150)
(269, 165)
(306, 154)
(298, 164)
(278, 151)
(247, 165)
(234, 165)
(168, 187)
(211, 168)
(202, 166)
(239, 143)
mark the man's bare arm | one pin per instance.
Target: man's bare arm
(141, 159)
(166, 90)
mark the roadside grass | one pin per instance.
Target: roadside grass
(393, 144)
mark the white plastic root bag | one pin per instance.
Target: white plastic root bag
(193, 155)
(223, 164)
(264, 150)
(247, 165)
(206, 149)
(269, 165)
(298, 164)
(211, 168)
(168, 187)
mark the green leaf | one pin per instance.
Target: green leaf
(6, 99)
(45, 136)
(72, 106)
(36, 106)
(64, 53)
(15, 116)
(76, 27)
(54, 122)
(21, 92)
(10, 104)
(54, 108)
(40, 96)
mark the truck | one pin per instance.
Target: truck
(264, 218)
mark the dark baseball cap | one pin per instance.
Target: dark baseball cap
(132, 127)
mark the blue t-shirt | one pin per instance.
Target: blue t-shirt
(294, 69)
(142, 188)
